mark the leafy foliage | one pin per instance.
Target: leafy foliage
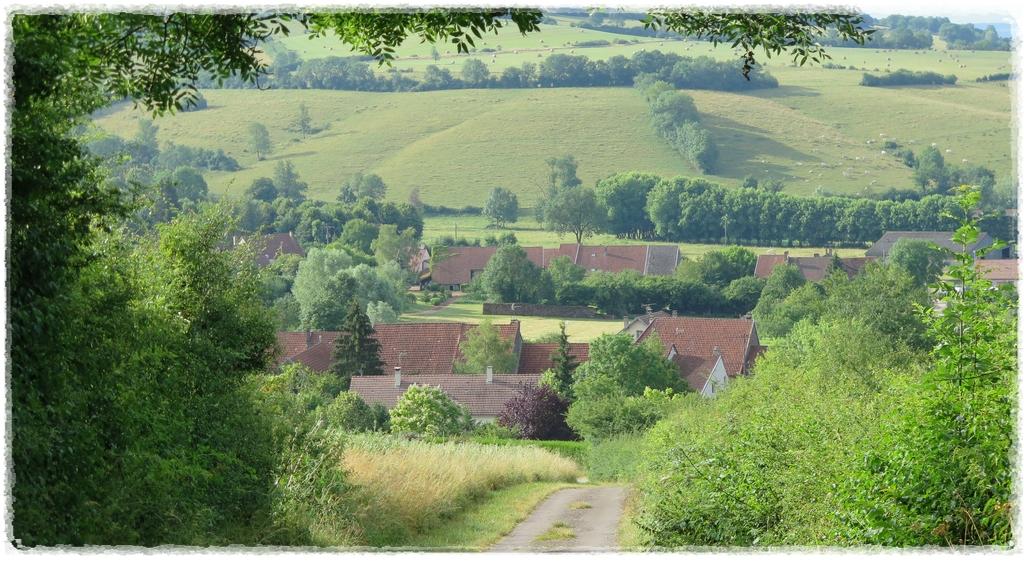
(536, 412)
(773, 33)
(427, 411)
(612, 388)
(484, 347)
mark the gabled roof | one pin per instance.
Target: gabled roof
(483, 399)
(535, 358)
(695, 339)
(943, 239)
(273, 245)
(430, 348)
(458, 264)
(612, 259)
(812, 268)
(695, 370)
(662, 259)
(998, 271)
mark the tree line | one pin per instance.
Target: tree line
(903, 77)
(555, 71)
(676, 119)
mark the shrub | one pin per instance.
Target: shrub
(616, 458)
(536, 412)
(759, 464)
(903, 77)
(427, 411)
(313, 500)
(349, 412)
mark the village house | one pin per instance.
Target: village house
(813, 268)
(462, 264)
(270, 246)
(421, 349)
(636, 326)
(709, 352)
(943, 239)
(999, 272)
(483, 395)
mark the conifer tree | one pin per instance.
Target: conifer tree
(564, 363)
(356, 351)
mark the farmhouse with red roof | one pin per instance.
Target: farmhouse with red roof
(707, 351)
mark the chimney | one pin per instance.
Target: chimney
(490, 374)
(625, 322)
(675, 314)
(309, 340)
(717, 352)
(398, 377)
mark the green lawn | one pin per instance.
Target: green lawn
(531, 326)
(529, 233)
(819, 129)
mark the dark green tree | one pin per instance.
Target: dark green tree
(356, 351)
(564, 364)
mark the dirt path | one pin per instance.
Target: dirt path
(570, 520)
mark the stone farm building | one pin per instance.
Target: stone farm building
(462, 264)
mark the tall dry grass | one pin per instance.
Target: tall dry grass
(410, 486)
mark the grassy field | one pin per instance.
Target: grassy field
(492, 517)
(411, 487)
(818, 130)
(531, 327)
(529, 233)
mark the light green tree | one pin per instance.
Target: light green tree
(484, 347)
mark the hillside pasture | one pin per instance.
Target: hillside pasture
(819, 131)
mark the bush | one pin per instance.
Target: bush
(759, 464)
(903, 77)
(349, 412)
(313, 500)
(536, 412)
(427, 411)
(577, 451)
(615, 459)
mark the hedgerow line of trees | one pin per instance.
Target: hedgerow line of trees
(556, 70)
(676, 119)
(903, 77)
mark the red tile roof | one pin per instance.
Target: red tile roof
(612, 259)
(461, 263)
(997, 271)
(421, 348)
(483, 399)
(766, 263)
(813, 268)
(695, 340)
(277, 244)
(695, 371)
(535, 358)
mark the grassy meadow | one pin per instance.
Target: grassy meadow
(818, 130)
(532, 327)
(414, 486)
(530, 233)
